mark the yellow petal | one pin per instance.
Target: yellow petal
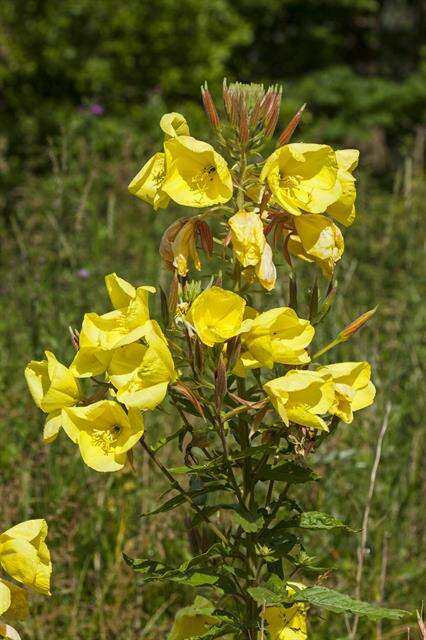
(303, 177)
(148, 183)
(52, 426)
(119, 291)
(174, 124)
(24, 554)
(265, 270)
(197, 176)
(217, 315)
(248, 239)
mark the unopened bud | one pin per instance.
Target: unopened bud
(209, 107)
(356, 325)
(233, 350)
(220, 386)
(75, 338)
(199, 358)
(206, 237)
(165, 316)
(244, 130)
(173, 294)
(289, 130)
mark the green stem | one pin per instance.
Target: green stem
(178, 487)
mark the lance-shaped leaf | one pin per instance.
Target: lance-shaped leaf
(288, 472)
(340, 603)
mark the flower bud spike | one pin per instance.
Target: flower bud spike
(209, 107)
(289, 130)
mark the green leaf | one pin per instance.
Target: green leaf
(161, 442)
(170, 504)
(177, 500)
(288, 472)
(272, 592)
(341, 603)
(250, 522)
(264, 596)
(319, 520)
(196, 579)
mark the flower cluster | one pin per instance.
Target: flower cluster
(241, 373)
(131, 352)
(24, 556)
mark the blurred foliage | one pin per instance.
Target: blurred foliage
(359, 64)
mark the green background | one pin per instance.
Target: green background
(66, 220)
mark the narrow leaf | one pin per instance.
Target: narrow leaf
(341, 603)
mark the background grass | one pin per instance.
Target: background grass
(66, 220)
(76, 223)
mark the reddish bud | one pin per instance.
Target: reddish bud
(356, 325)
(75, 338)
(244, 130)
(206, 237)
(220, 386)
(209, 107)
(188, 393)
(289, 130)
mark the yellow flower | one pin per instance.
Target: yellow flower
(277, 335)
(103, 432)
(174, 124)
(52, 386)
(13, 603)
(248, 239)
(24, 554)
(318, 240)
(303, 177)
(181, 246)
(216, 315)
(100, 335)
(148, 183)
(193, 621)
(197, 176)
(302, 397)
(142, 373)
(251, 248)
(354, 390)
(287, 623)
(344, 208)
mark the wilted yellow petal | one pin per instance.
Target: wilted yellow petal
(174, 124)
(248, 239)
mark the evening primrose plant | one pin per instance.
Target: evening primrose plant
(249, 391)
